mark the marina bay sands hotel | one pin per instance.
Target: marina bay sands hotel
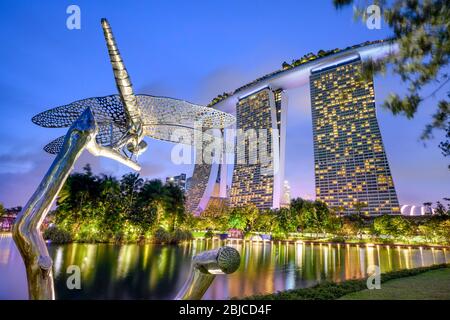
(349, 158)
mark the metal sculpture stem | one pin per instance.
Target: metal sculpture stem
(205, 266)
(26, 231)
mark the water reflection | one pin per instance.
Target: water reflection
(158, 272)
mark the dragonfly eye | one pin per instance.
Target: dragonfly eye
(137, 149)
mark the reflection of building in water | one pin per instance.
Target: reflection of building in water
(127, 259)
(5, 248)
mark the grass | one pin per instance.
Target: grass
(431, 285)
(332, 290)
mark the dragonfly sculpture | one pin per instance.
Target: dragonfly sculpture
(113, 126)
(124, 119)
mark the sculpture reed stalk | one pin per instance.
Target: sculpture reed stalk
(26, 231)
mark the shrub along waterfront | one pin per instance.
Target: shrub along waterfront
(333, 290)
(101, 208)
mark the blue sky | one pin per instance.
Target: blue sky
(191, 50)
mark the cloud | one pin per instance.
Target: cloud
(23, 176)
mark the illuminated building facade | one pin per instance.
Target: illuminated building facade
(286, 200)
(350, 161)
(261, 128)
(260, 104)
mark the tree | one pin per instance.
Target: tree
(174, 206)
(287, 221)
(266, 222)
(358, 217)
(349, 228)
(394, 226)
(151, 204)
(316, 216)
(338, 210)
(440, 210)
(2, 210)
(130, 185)
(236, 219)
(421, 30)
(427, 205)
(243, 218)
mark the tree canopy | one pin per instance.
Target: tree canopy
(422, 31)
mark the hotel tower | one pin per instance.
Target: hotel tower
(258, 180)
(351, 169)
(349, 157)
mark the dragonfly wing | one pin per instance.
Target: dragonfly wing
(55, 146)
(107, 135)
(177, 121)
(105, 110)
(174, 112)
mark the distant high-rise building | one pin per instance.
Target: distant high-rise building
(286, 199)
(179, 181)
(188, 183)
(350, 162)
(259, 182)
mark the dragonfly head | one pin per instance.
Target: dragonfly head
(137, 148)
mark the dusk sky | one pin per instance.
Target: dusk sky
(191, 50)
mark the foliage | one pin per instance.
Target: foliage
(209, 234)
(435, 230)
(57, 235)
(243, 218)
(162, 236)
(333, 290)
(395, 226)
(181, 235)
(421, 30)
(103, 209)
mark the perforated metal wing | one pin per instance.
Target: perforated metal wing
(176, 120)
(106, 136)
(55, 146)
(105, 110)
(174, 112)
(163, 118)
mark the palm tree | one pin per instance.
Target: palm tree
(151, 202)
(174, 205)
(2, 210)
(130, 185)
(359, 206)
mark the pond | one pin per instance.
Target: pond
(158, 271)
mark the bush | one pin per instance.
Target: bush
(209, 234)
(162, 236)
(181, 235)
(332, 290)
(57, 235)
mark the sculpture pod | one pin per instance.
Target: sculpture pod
(205, 266)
